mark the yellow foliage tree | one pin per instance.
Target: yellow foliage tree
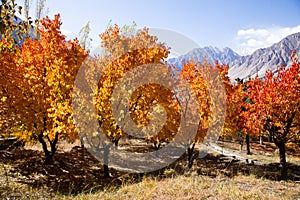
(123, 54)
(209, 84)
(41, 80)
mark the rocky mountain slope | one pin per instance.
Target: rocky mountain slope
(244, 67)
(265, 59)
(211, 54)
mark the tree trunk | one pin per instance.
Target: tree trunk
(261, 141)
(190, 151)
(270, 138)
(241, 145)
(116, 142)
(156, 146)
(53, 144)
(82, 148)
(248, 144)
(48, 154)
(105, 161)
(283, 167)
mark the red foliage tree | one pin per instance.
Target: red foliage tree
(276, 107)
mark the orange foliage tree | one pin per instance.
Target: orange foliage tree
(12, 32)
(238, 110)
(124, 51)
(123, 54)
(209, 84)
(276, 107)
(39, 86)
(7, 64)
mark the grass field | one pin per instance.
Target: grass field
(75, 174)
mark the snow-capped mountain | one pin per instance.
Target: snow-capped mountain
(244, 67)
(265, 59)
(211, 54)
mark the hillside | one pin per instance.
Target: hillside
(246, 66)
(210, 53)
(265, 59)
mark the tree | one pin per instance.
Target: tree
(124, 54)
(277, 107)
(84, 39)
(209, 84)
(12, 28)
(40, 5)
(237, 110)
(40, 86)
(26, 9)
(7, 63)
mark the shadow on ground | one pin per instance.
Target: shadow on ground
(213, 165)
(78, 171)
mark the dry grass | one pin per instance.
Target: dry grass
(12, 188)
(267, 152)
(200, 187)
(178, 187)
(74, 175)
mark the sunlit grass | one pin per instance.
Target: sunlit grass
(265, 156)
(200, 187)
(193, 184)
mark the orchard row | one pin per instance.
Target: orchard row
(38, 92)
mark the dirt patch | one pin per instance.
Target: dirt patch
(77, 171)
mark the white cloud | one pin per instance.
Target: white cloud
(251, 39)
(65, 32)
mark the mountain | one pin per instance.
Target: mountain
(211, 54)
(244, 67)
(265, 59)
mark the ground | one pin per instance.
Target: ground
(75, 173)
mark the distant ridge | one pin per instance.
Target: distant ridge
(265, 59)
(211, 54)
(244, 67)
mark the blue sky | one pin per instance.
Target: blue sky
(243, 25)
